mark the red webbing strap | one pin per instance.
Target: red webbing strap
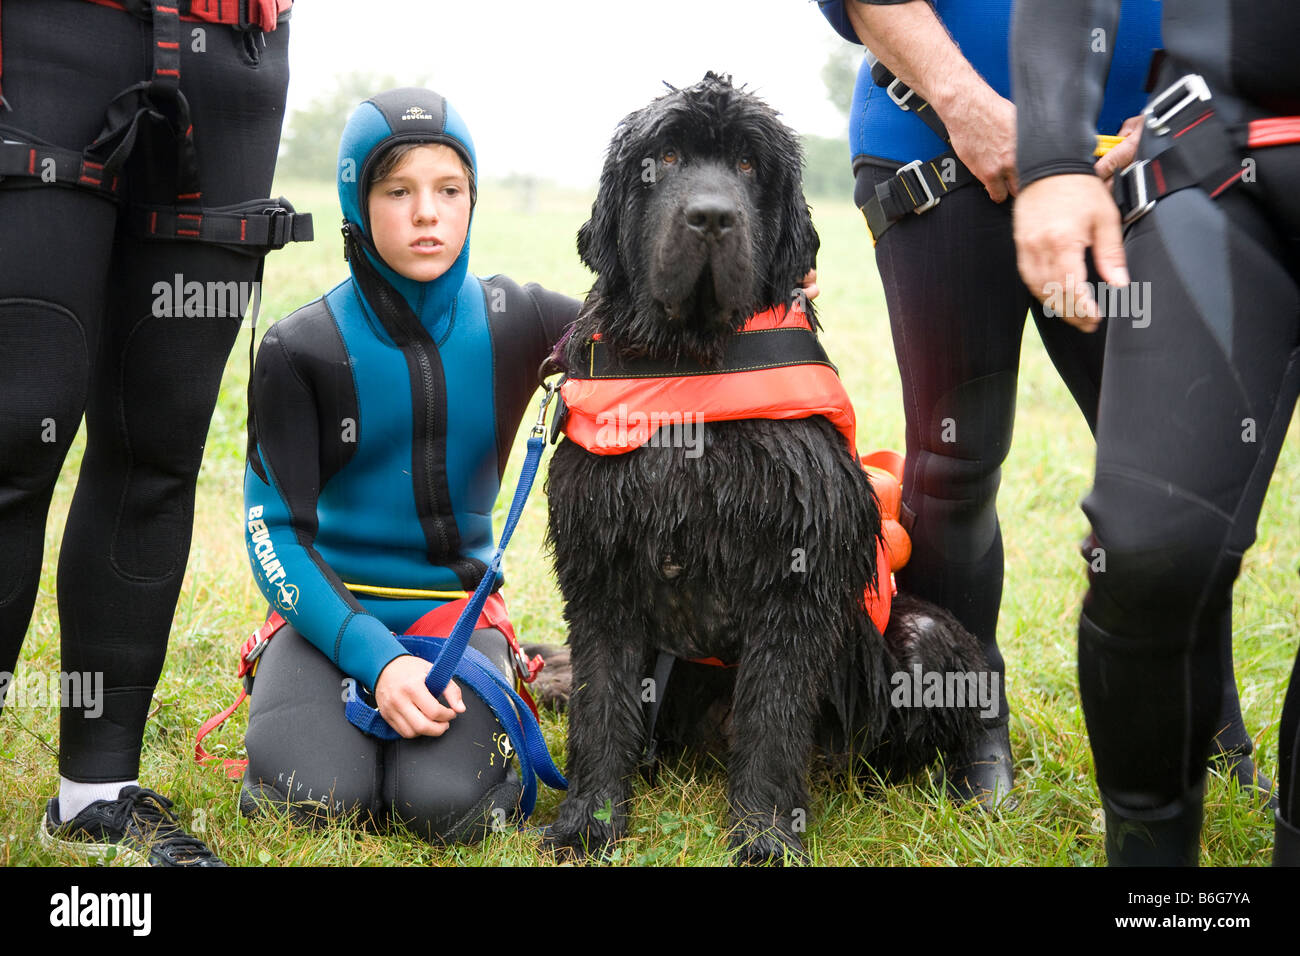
(248, 654)
(442, 620)
(1275, 131)
(233, 767)
(261, 13)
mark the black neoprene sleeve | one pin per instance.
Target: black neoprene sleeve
(1060, 56)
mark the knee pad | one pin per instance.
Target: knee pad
(42, 395)
(955, 501)
(171, 370)
(43, 391)
(1158, 560)
(447, 788)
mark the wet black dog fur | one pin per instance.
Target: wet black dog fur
(700, 221)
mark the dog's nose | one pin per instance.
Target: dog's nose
(711, 215)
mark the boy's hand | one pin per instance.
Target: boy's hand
(406, 703)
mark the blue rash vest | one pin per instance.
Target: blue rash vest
(381, 419)
(880, 132)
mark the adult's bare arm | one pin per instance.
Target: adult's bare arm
(909, 39)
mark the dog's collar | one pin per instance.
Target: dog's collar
(778, 337)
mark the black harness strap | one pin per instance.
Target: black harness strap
(918, 186)
(650, 743)
(253, 227)
(906, 98)
(1204, 152)
(915, 188)
(745, 352)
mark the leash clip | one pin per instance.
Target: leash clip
(1191, 87)
(552, 389)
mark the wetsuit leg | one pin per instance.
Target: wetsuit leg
(957, 310)
(151, 398)
(301, 749)
(303, 752)
(54, 244)
(1194, 409)
(457, 787)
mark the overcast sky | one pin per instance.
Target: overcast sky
(541, 84)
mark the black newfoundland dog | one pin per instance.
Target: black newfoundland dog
(752, 547)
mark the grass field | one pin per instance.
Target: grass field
(683, 819)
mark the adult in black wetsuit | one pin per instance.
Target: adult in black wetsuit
(1197, 396)
(184, 106)
(957, 307)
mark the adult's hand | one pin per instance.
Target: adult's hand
(1056, 219)
(406, 703)
(1122, 154)
(982, 130)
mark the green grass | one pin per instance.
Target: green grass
(682, 820)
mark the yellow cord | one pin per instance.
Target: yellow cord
(405, 592)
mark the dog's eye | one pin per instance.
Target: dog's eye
(745, 164)
(669, 157)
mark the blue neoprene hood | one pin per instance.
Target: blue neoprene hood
(404, 115)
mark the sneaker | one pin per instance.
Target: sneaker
(138, 828)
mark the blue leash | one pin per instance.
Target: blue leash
(452, 655)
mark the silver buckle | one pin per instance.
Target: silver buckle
(1191, 88)
(1143, 204)
(900, 101)
(931, 200)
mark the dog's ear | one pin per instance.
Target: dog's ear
(796, 239)
(598, 238)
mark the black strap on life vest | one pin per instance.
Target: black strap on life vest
(744, 352)
(1204, 153)
(918, 186)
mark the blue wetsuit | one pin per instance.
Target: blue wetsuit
(378, 449)
(381, 419)
(879, 130)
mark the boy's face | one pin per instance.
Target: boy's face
(419, 213)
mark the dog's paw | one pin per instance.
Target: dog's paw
(579, 834)
(769, 846)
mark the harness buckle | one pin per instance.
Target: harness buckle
(1131, 190)
(1192, 88)
(900, 100)
(931, 200)
(280, 230)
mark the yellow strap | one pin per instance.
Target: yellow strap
(1106, 143)
(405, 592)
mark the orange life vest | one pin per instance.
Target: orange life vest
(609, 415)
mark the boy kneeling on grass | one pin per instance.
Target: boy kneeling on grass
(381, 418)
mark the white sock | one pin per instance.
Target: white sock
(75, 797)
